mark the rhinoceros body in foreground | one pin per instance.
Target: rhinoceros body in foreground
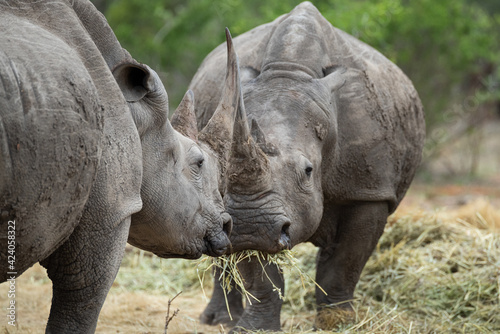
(87, 155)
(336, 136)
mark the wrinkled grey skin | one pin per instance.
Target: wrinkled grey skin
(88, 154)
(336, 136)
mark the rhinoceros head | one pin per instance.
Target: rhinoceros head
(183, 213)
(274, 192)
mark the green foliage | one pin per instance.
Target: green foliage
(439, 44)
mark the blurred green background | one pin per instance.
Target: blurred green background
(449, 48)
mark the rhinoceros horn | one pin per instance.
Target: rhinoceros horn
(259, 137)
(248, 168)
(218, 133)
(184, 119)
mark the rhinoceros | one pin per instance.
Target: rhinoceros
(329, 137)
(89, 158)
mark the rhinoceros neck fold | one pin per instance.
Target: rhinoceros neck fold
(290, 70)
(303, 32)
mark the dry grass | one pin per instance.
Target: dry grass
(479, 213)
(228, 265)
(440, 273)
(432, 272)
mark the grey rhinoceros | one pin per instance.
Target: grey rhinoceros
(88, 154)
(336, 135)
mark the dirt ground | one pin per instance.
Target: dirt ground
(123, 312)
(426, 197)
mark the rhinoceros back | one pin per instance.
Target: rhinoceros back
(51, 124)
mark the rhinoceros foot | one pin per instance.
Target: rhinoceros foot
(217, 314)
(331, 317)
(216, 311)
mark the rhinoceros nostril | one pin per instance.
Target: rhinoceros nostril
(284, 241)
(285, 229)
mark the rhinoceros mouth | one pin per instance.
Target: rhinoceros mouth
(215, 249)
(259, 223)
(187, 256)
(215, 245)
(209, 248)
(270, 237)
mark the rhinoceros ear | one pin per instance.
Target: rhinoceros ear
(136, 81)
(133, 80)
(334, 77)
(184, 119)
(248, 73)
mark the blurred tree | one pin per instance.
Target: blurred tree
(441, 45)
(491, 6)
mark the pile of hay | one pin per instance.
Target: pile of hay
(431, 273)
(436, 272)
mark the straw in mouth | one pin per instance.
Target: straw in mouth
(228, 264)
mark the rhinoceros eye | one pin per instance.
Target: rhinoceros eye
(195, 158)
(305, 182)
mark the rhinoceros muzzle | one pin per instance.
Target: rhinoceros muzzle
(266, 234)
(218, 244)
(260, 222)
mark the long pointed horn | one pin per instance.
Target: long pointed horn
(184, 119)
(218, 132)
(248, 165)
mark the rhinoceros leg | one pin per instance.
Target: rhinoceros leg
(340, 262)
(82, 271)
(263, 315)
(216, 311)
